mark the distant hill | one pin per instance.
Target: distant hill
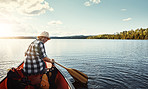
(34, 37)
(18, 37)
(71, 37)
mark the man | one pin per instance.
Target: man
(34, 65)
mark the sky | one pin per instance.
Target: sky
(71, 17)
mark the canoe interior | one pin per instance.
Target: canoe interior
(61, 81)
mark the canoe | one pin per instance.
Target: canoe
(60, 81)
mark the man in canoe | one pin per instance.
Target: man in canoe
(34, 64)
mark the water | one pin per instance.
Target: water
(109, 64)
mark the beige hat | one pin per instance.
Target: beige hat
(44, 34)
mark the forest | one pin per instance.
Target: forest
(131, 34)
(141, 34)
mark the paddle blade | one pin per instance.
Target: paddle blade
(77, 75)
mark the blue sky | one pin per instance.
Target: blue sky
(71, 17)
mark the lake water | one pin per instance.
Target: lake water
(109, 64)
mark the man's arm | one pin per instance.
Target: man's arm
(48, 60)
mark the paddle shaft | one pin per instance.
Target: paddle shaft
(60, 65)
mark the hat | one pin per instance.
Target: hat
(44, 34)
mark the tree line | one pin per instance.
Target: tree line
(132, 34)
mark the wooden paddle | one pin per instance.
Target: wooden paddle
(77, 75)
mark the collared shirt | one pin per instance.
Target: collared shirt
(33, 63)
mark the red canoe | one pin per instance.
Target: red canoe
(60, 81)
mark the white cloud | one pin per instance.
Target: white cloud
(95, 1)
(27, 7)
(54, 22)
(87, 3)
(91, 2)
(128, 19)
(123, 9)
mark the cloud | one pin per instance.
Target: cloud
(87, 3)
(128, 19)
(91, 2)
(123, 9)
(25, 7)
(54, 22)
(95, 1)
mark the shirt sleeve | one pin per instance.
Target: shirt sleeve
(42, 50)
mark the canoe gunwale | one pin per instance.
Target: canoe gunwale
(65, 77)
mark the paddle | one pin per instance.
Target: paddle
(77, 75)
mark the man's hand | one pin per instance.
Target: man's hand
(48, 60)
(52, 60)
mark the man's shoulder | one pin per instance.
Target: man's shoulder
(39, 43)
